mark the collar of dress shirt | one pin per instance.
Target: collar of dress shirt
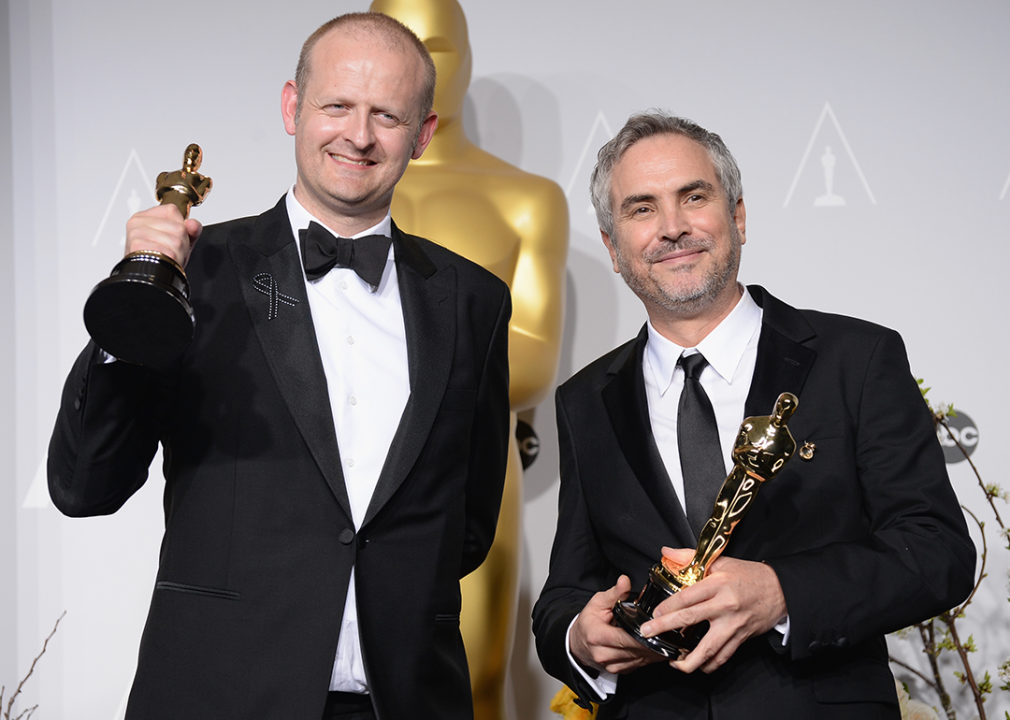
(300, 219)
(723, 347)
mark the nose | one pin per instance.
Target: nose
(359, 130)
(674, 222)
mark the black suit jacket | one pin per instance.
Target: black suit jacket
(866, 537)
(259, 541)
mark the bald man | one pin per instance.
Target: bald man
(335, 436)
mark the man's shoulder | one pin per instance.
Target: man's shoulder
(596, 374)
(470, 272)
(842, 322)
(824, 326)
(220, 231)
(226, 227)
(845, 331)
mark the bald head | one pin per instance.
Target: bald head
(393, 34)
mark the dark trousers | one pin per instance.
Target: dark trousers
(348, 706)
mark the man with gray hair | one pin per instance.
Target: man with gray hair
(859, 536)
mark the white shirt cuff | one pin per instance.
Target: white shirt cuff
(605, 684)
(782, 627)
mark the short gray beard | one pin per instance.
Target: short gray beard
(689, 302)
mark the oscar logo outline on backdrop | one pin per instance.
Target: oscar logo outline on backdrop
(515, 224)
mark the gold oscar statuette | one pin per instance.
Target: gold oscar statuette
(141, 313)
(515, 224)
(763, 445)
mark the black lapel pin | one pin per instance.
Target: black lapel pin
(265, 283)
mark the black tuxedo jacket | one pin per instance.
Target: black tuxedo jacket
(259, 541)
(866, 537)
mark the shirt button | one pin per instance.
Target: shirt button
(353, 400)
(350, 339)
(350, 462)
(343, 284)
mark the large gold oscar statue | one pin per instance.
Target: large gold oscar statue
(516, 225)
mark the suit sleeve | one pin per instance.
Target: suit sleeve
(915, 558)
(107, 432)
(578, 568)
(489, 441)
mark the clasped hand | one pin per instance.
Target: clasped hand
(738, 598)
(162, 229)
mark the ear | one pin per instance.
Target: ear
(428, 127)
(610, 248)
(289, 105)
(740, 219)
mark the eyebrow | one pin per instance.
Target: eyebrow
(635, 199)
(696, 185)
(683, 190)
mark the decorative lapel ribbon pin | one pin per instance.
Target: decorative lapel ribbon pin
(265, 283)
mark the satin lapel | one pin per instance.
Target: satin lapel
(268, 263)
(628, 409)
(783, 363)
(428, 298)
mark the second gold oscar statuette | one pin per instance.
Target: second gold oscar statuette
(763, 446)
(141, 313)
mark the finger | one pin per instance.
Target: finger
(601, 645)
(749, 589)
(688, 607)
(680, 620)
(626, 666)
(593, 640)
(160, 229)
(709, 647)
(693, 660)
(167, 211)
(608, 598)
(174, 212)
(194, 228)
(680, 556)
(621, 588)
(627, 655)
(715, 649)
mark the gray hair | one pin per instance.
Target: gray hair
(648, 124)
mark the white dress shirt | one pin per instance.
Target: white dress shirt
(363, 346)
(731, 351)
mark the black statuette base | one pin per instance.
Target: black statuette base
(141, 313)
(632, 614)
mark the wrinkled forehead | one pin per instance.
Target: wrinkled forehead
(668, 160)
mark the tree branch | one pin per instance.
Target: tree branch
(969, 676)
(10, 702)
(912, 670)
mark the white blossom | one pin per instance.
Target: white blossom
(921, 711)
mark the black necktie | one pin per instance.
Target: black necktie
(698, 439)
(322, 251)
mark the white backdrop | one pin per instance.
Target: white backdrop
(910, 96)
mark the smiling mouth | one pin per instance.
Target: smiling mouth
(676, 255)
(362, 162)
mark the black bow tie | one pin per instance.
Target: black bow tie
(322, 250)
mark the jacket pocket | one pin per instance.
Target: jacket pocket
(197, 590)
